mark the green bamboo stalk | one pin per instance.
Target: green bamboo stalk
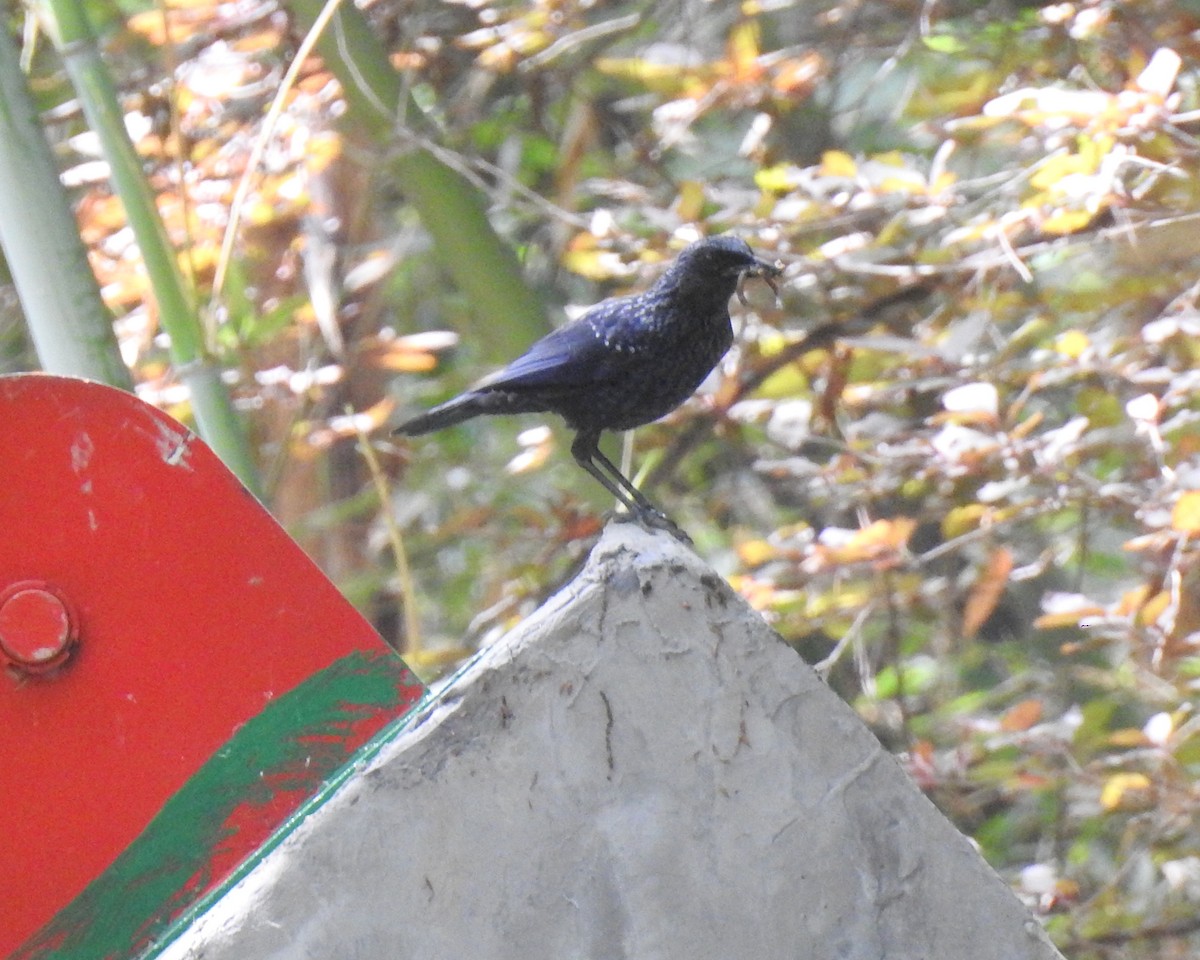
(451, 209)
(216, 420)
(68, 322)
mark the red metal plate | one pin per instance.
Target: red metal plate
(191, 609)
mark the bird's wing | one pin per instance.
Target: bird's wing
(574, 355)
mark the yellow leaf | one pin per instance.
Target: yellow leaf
(501, 58)
(784, 383)
(960, 520)
(944, 181)
(958, 99)
(1072, 344)
(1185, 517)
(1153, 608)
(1132, 600)
(668, 79)
(593, 263)
(1054, 169)
(743, 48)
(836, 163)
(1129, 737)
(1062, 222)
(321, 150)
(689, 205)
(754, 553)
(1117, 788)
(258, 213)
(909, 183)
(1059, 621)
(777, 179)
(883, 538)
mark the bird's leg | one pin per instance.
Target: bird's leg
(642, 501)
(586, 451)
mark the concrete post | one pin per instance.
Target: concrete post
(641, 770)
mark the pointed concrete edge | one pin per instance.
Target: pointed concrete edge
(642, 769)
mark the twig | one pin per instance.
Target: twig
(411, 646)
(576, 39)
(260, 147)
(824, 666)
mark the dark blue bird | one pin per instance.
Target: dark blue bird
(624, 363)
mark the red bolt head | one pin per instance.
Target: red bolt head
(37, 630)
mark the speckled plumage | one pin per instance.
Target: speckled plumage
(626, 362)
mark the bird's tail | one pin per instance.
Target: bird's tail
(463, 407)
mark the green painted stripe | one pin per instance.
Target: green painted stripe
(275, 769)
(360, 760)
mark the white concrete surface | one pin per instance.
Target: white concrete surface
(641, 770)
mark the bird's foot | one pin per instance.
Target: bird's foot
(655, 520)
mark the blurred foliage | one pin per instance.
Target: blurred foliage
(958, 465)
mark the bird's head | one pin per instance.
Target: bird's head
(728, 258)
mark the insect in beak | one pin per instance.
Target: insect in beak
(767, 272)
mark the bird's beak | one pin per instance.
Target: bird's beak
(767, 272)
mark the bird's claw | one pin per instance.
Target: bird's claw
(654, 519)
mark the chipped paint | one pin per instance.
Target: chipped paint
(174, 445)
(81, 452)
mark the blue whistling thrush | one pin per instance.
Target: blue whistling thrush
(624, 363)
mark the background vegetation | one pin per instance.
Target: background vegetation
(958, 465)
